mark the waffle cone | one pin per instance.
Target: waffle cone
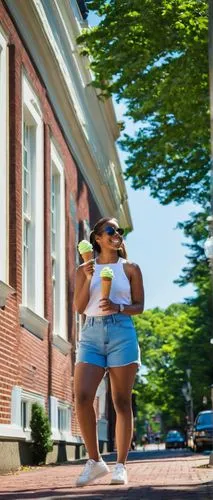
(105, 287)
(87, 256)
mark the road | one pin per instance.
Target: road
(154, 474)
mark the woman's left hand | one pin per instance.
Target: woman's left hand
(108, 306)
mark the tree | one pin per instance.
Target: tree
(154, 56)
(40, 434)
(171, 342)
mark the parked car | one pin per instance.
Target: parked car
(203, 431)
(174, 439)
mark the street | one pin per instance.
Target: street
(154, 474)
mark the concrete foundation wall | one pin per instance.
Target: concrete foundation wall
(14, 454)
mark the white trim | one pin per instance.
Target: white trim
(4, 157)
(61, 60)
(60, 323)
(32, 321)
(13, 432)
(8, 431)
(47, 52)
(58, 435)
(32, 116)
(61, 344)
(102, 420)
(18, 395)
(5, 291)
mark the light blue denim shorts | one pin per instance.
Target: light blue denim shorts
(108, 341)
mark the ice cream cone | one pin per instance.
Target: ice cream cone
(85, 248)
(105, 287)
(87, 256)
(106, 276)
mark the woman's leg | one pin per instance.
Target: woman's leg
(122, 381)
(87, 378)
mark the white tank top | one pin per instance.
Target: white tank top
(120, 292)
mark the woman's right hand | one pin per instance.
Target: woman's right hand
(88, 268)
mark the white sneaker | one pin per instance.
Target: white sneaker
(92, 471)
(119, 475)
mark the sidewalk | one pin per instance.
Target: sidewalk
(162, 476)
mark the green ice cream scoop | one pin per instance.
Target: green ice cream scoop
(107, 272)
(85, 246)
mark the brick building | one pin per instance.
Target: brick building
(59, 172)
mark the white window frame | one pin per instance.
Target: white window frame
(61, 434)
(64, 417)
(86, 227)
(102, 423)
(33, 295)
(79, 317)
(59, 255)
(5, 289)
(78, 325)
(20, 397)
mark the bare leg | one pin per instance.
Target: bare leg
(86, 381)
(122, 381)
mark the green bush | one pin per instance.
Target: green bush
(40, 434)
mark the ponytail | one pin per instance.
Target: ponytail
(122, 251)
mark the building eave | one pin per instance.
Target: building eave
(39, 40)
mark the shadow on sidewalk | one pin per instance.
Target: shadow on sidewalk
(184, 492)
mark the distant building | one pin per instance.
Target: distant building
(59, 172)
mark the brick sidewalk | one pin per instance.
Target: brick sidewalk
(173, 476)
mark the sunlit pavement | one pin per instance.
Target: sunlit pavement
(154, 474)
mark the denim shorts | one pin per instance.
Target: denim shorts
(108, 341)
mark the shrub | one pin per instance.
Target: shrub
(40, 434)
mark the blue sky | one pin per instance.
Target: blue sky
(154, 244)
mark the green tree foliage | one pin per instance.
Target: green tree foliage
(196, 271)
(170, 341)
(179, 338)
(154, 56)
(40, 434)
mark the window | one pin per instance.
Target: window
(21, 405)
(86, 228)
(64, 414)
(86, 235)
(60, 413)
(3, 158)
(32, 202)
(58, 244)
(24, 415)
(27, 206)
(54, 212)
(78, 325)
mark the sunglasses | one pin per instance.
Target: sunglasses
(111, 230)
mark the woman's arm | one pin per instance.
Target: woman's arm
(137, 291)
(82, 285)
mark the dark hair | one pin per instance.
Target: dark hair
(97, 229)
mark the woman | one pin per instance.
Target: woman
(108, 341)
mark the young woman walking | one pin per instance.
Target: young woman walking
(108, 341)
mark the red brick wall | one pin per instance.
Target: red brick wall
(24, 359)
